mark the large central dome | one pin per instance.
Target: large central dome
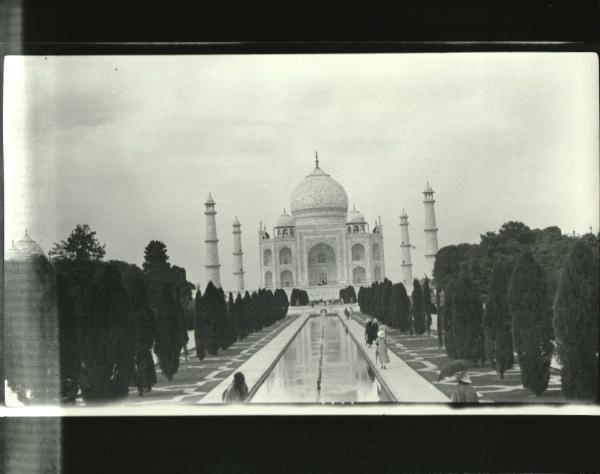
(319, 195)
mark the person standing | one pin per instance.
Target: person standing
(237, 392)
(369, 331)
(374, 330)
(464, 393)
(382, 348)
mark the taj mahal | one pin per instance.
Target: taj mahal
(320, 246)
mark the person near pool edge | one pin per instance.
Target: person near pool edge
(369, 331)
(237, 392)
(382, 349)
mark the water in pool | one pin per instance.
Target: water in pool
(321, 348)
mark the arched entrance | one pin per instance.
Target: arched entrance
(322, 266)
(377, 274)
(359, 275)
(287, 279)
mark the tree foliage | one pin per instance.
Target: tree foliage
(31, 350)
(82, 244)
(418, 312)
(107, 335)
(428, 306)
(171, 334)
(466, 320)
(400, 308)
(155, 256)
(497, 321)
(531, 322)
(576, 323)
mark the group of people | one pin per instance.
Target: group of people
(374, 333)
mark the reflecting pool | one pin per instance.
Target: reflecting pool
(321, 365)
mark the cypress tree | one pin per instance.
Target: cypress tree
(241, 317)
(447, 320)
(256, 315)
(233, 323)
(497, 324)
(427, 305)
(225, 321)
(212, 309)
(171, 335)
(107, 338)
(531, 322)
(361, 299)
(200, 326)
(418, 312)
(576, 324)
(145, 373)
(404, 309)
(440, 320)
(386, 293)
(467, 323)
(271, 308)
(248, 313)
(294, 297)
(70, 360)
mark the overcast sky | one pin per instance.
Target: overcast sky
(132, 145)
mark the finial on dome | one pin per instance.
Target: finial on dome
(317, 159)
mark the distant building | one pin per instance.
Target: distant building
(321, 247)
(24, 249)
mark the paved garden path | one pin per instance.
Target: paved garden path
(424, 355)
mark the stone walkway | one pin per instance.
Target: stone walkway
(404, 383)
(192, 384)
(423, 355)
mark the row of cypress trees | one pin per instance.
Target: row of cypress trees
(519, 319)
(391, 304)
(218, 323)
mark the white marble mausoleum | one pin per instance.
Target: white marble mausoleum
(321, 247)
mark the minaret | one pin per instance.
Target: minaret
(212, 243)
(238, 265)
(431, 243)
(407, 276)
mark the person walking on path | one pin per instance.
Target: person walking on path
(374, 330)
(382, 348)
(369, 331)
(464, 393)
(237, 392)
(346, 313)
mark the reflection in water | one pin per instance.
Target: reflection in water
(346, 376)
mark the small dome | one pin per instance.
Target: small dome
(355, 217)
(428, 189)
(12, 253)
(27, 247)
(210, 199)
(404, 214)
(319, 194)
(285, 220)
(236, 222)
